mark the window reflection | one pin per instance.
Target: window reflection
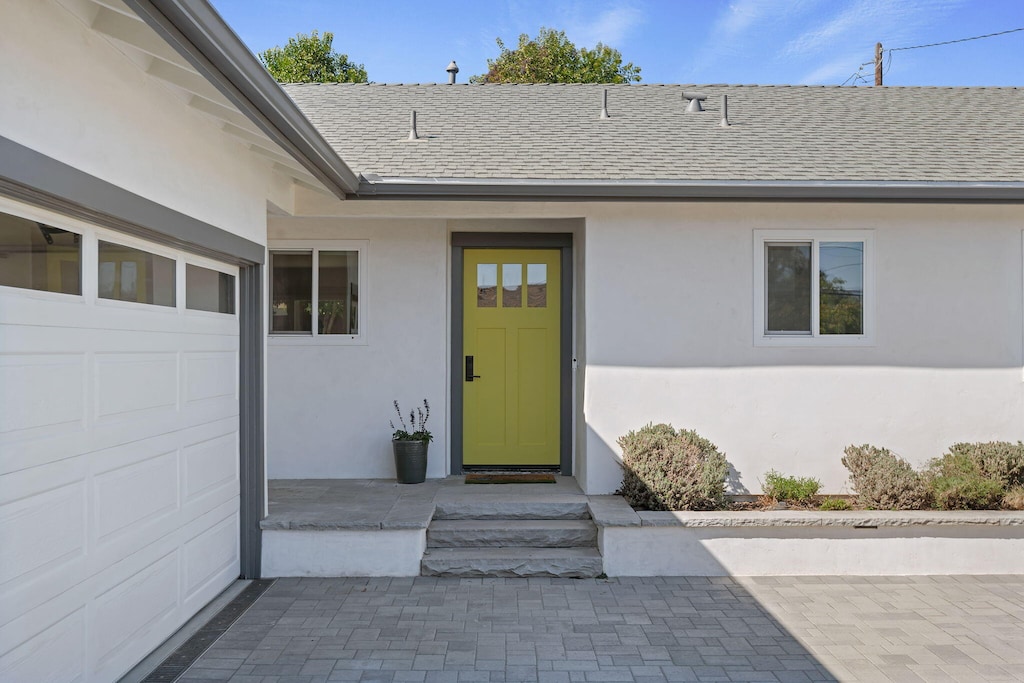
(291, 292)
(338, 298)
(128, 274)
(841, 287)
(537, 285)
(788, 287)
(39, 256)
(512, 285)
(487, 285)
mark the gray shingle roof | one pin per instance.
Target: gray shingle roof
(778, 133)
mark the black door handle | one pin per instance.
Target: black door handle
(469, 370)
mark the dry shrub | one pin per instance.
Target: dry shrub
(1014, 498)
(957, 482)
(665, 469)
(883, 480)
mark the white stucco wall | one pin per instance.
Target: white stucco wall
(665, 333)
(669, 338)
(329, 403)
(69, 94)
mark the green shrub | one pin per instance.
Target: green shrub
(883, 480)
(665, 469)
(999, 460)
(834, 504)
(957, 482)
(790, 489)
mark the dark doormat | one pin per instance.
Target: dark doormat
(532, 478)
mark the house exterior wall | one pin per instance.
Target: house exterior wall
(75, 98)
(665, 333)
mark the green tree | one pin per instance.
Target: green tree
(552, 58)
(841, 310)
(310, 59)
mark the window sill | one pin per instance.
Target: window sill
(829, 341)
(318, 340)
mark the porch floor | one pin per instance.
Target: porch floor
(368, 504)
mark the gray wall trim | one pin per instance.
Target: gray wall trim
(195, 30)
(252, 475)
(512, 240)
(565, 356)
(502, 240)
(458, 369)
(30, 176)
(615, 190)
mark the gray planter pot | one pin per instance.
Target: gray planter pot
(410, 461)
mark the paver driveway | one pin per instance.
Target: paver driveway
(661, 629)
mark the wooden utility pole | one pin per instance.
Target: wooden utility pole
(878, 64)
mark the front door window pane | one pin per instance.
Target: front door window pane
(788, 288)
(128, 274)
(487, 285)
(537, 285)
(291, 292)
(512, 285)
(38, 256)
(841, 287)
(338, 295)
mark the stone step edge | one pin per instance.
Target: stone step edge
(499, 562)
(483, 533)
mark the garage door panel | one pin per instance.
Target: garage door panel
(209, 555)
(133, 609)
(135, 494)
(210, 375)
(57, 654)
(210, 465)
(128, 383)
(41, 393)
(41, 531)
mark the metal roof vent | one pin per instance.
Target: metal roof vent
(695, 102)
(452, 69)
(604, 105)
(725, 112)
(412, 127)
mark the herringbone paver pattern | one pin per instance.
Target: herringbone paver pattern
(433, 630)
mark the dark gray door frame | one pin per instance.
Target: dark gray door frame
(513, 240)
(34, 178)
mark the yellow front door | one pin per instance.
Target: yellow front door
(510, 367)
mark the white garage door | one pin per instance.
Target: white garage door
(119, 491)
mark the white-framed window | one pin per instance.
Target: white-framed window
(317, 291)
(814, 288)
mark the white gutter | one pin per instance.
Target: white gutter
(395, 187)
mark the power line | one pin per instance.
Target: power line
(858, 75)
(958, 40)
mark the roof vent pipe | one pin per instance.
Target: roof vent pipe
(725, 112)
(604, 105)
(452, 69)
(695, 100)
(412, 126)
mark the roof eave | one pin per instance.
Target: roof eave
(195, 30)
(396, 187)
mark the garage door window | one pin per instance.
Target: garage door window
(37, 256)
(209, 290)
(127, 274)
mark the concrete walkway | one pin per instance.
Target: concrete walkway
(965, 628)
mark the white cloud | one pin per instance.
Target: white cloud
(611, 27)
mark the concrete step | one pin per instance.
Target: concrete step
(539, 533)
(574, 563)
(520, 507)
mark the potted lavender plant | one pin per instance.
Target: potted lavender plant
(410, 447)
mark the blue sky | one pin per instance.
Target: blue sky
(682, 41)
